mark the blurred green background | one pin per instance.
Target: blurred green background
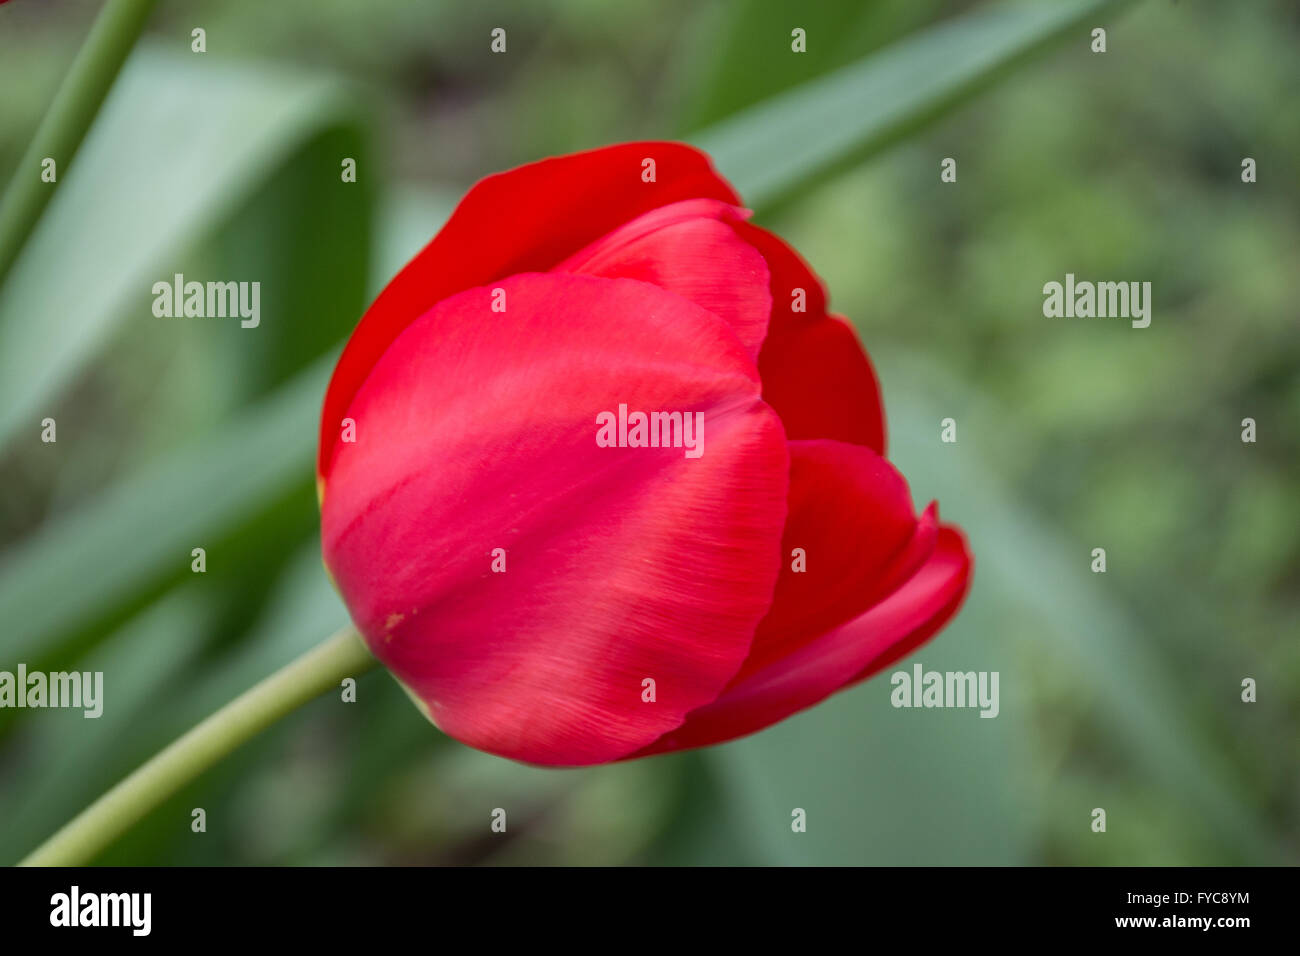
(1119, 690)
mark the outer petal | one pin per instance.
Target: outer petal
(882, 635)
(821, 383)
(789, 272)
(851, 515)
(523, 220)
(476, 431)
(689, 248)
(815, 373)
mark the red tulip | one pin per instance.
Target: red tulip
(553, 600)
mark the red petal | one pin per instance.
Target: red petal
(890, 630)
(689, 248)
(789, 272)
(815, 374)
(821, 383)
(477, 430)
(523, 220)
(851, 514)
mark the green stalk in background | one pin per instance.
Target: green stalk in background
(111, 38)
(322, 667)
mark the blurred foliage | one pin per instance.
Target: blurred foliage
(1120, 691)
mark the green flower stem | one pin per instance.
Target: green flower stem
(111, 38)
(318, 670)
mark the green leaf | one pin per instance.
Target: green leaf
(66, 759)
(743, 52)
(74, 108)
(230, 491)
(159, 683)
(184, 144)
(88, 570)
(788, 143)
(1035, 575)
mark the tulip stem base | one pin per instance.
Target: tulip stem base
(319, 669)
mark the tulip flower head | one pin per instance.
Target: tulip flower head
(602, 477)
